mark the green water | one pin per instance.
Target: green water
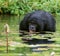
(57, 23)
(13, 22)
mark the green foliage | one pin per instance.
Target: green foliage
(23, 6)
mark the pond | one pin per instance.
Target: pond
(57, 23)
(13, 22)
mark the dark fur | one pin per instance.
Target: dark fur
(44, 21)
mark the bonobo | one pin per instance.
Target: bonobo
(38, 21)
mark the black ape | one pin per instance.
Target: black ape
(40, 20)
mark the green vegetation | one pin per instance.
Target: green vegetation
(23, 6)
(20, 7)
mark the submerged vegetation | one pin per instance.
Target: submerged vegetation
(23, 6)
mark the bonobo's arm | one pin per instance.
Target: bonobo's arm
(23, 24)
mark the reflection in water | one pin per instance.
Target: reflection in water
(13, 22)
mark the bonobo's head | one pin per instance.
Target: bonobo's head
(32, 27)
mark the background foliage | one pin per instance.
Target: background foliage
(23, 6)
